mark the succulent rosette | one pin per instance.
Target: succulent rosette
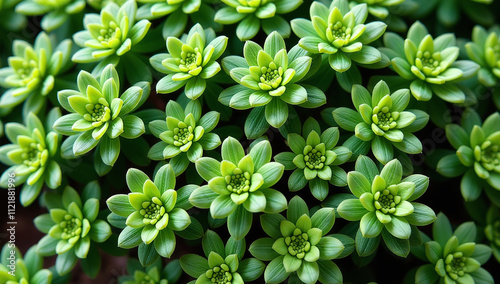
(378, 8)
(315, 159)
(383, 203)
(32, 72)
(252, 14)
(99, 115)
(299, 244)
(29, 269)
(269, 81)
(32, 157)
(239, 185)
(430, 64)
(485, 51)
(340, 32)
(185, 135)
(56, 13)
(109, 36)
(72, 229)
(454, 255)
(189, 62)
(151, 213)
(222, 264)
(477, 155)
(382, 122)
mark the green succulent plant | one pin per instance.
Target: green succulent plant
(99, 115)
(72, 228)
(430, 64)
(239, 185)
(453, 255)
(383, 203)
(32, 156)
(381, 120)
(190, 62)
(340, 32)
(56, 13)
(26, 270)
(315, 159)
(152, 274)
(32, 72)
(252, 14)
(109, 36)
(269, 81)
(477, 155)
(184, 136)
(485, 51)
(223, 263)
(299, 244)
(151, 213)
(378, 8)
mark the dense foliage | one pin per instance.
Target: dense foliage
(177, 136)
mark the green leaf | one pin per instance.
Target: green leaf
(147, 254)
(248, 28)
(256, 124)
(351, 210)
(164, 243)
(382, 149)
(366, 246)
(66, 262)
(450, 166)
(296, 208)
(250, 269)
(84, 143)
(194, 265)
(262, 249)
(346, 118)
(276, 112)
(271, 224)
(323, 219)
(422, 215)
(222, 206)
(232, 150)
(208, 168)
(397, 246)
(339, 61)
(239, 223)
(308, 272)
(275, 271)
(329, 272)
(441, 230)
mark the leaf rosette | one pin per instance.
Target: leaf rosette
(32, 71)
(477, 155)
(32, 157)
(383, 203)
(190, 62)
(382, 121)
(185, 135)
(72, 227)
(99, 115)
(151, 213)
(454, 256)
(299, 245)
(239, 185)
(315, 159)
(340, 32)
(269, 79)
(110, 35)
(430, 64)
